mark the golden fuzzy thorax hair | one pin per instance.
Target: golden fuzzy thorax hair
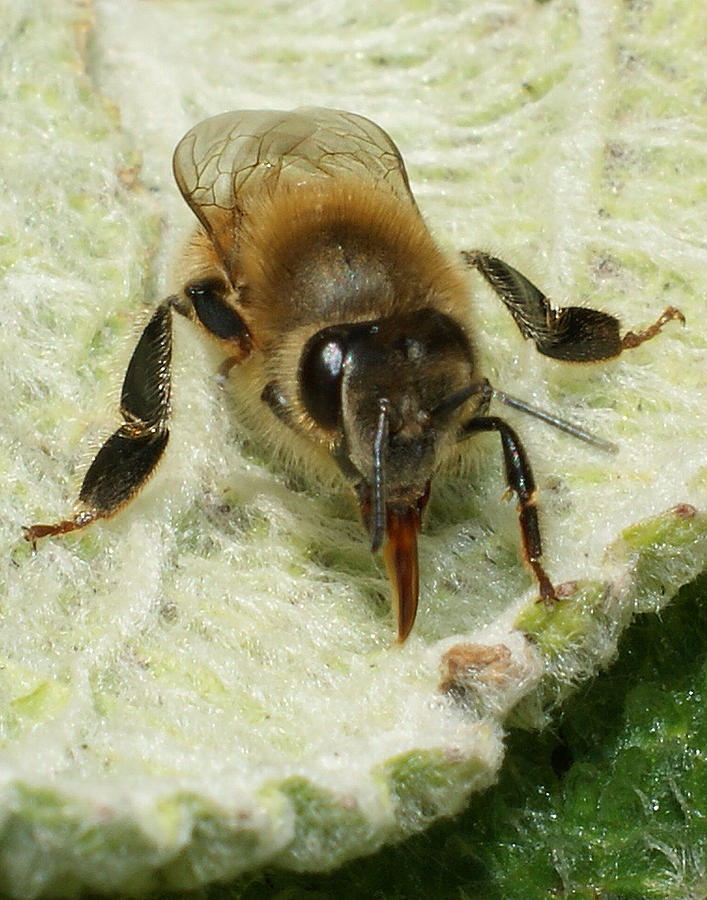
(338, 246)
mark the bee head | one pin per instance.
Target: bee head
(379, 386)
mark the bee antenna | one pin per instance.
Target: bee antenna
(378, 485)
(452, 401)
(488, 393)
(550, 419)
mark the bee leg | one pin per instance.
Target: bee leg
(129, 456)
(519, 478)
(572, 333)
(209, 306)
(224, 370)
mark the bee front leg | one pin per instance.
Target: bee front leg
(519, 478)
(129, 456)
(572, 333)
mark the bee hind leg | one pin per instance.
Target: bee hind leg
(129, 456)
(571, 333)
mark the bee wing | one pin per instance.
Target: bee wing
(222, 159)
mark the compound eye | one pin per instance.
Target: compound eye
(320, 374)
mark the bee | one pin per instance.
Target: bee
(347, 329)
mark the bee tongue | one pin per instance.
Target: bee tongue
(400, 554)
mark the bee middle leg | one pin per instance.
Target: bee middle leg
(519, 478)
(129, 456)
(571, 333)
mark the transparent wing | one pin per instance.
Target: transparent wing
(222, 159)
